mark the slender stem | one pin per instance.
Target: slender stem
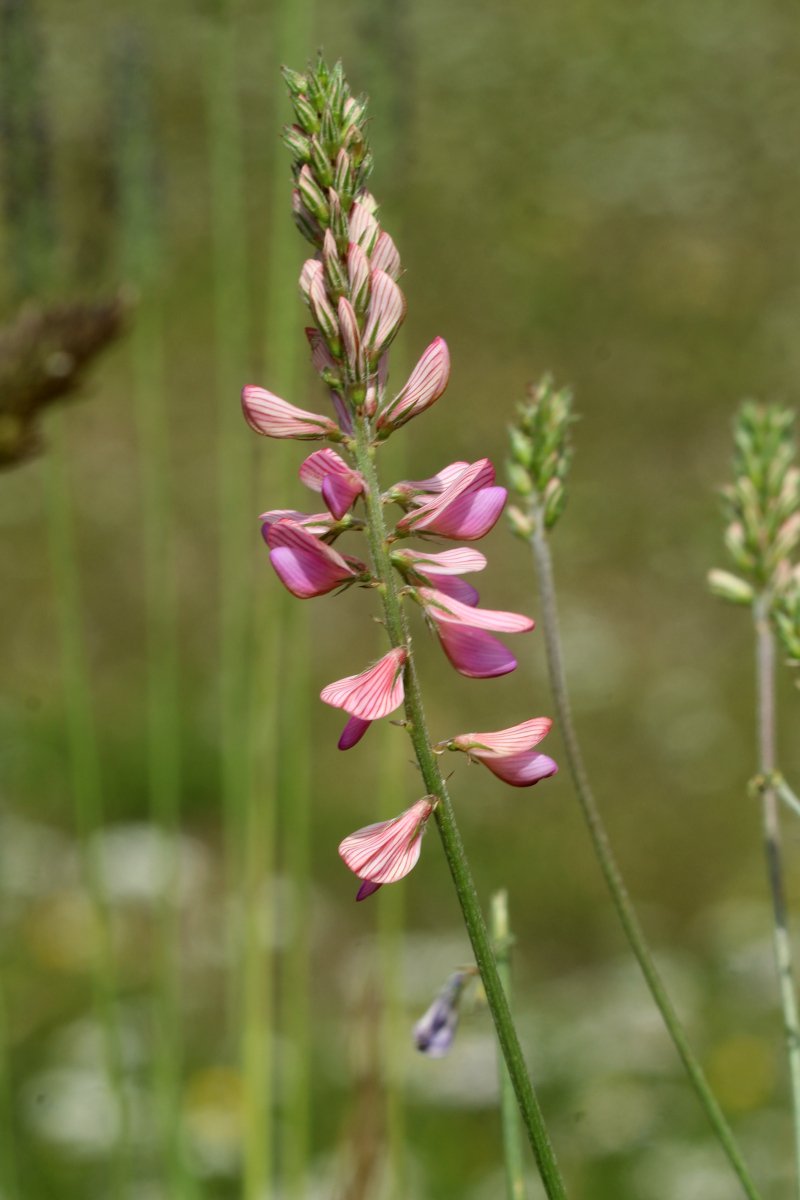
(9, 1173)
(608, 864)
(397, 627)
(509, 1113)
(765, 689)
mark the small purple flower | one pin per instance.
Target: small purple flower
(436, 1028)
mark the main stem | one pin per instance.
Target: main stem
(765, 689)
(397, 627)
(608, 864)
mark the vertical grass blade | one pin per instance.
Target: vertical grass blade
(142, 256)
(513, 1146)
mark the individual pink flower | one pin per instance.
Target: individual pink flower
(467, 508)
(268, 414)
(369, 696)
(306, 566)
(424, 386)
(351, 338)
(326, 472)
(363, 229)
(358, 270)
(385, 312)
(509, 753)
(462, 632)
(387, 851)
(441, 570)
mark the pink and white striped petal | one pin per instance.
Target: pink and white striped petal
(386, 257)
(358, 270)
(352, 733)
(351, 338)
(513, 740)
(420, 491)
(375, 692)
(467, 507)
(443, 608)
(320, 305)
(388, 850)
(474, 653)
(267, 414)
(385, 312)
(460, 561)
(362, 228)
(326, 472)
(318, 524)
(306, 566)
(424, 387)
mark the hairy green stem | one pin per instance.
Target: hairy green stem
(509, 1113)
(608, 864)
(765, 694)
(397, 628)
(787, 795)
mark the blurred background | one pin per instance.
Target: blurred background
(191, 1005)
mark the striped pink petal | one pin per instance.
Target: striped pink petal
(307, 273)
(268, 414)
(387, 851)
(467, 508)
(375, 692)
(443, 608)
(425, 385)
(419, 491)
(386, 256)
(317, 523)
(473, 652)
(306, 566)
(320, 305)
(352, 733)
(358, 268)
(363, 229)
(505, 741)
(460, 561)
(326, 472)
(385, 312)
(351, 338)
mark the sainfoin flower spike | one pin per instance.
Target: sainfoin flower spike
(387, 851)
(351, 285)
(510, 754)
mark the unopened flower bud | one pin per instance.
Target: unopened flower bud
(320, 164)
(519, 479)
(343, 175)
(305, 221)
(334, 271)
(730, 587)
(297, 143)
(307, 118)
(358, 276)
(737, 546)
(296, 82)
(312, 196)
(435, 1030)
(555, 498)
(521, 448)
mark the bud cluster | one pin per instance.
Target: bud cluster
(762, 505)
(540, 455)
(786, 617)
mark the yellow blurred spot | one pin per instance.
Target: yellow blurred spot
(213, 1106)
(61, 933)
(741, 1071)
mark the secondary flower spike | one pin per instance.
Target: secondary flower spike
(306, 566)
(387, 851)
(509, 753)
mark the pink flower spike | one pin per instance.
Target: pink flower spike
(385, 256)
(385, 313)
(387, 851)
(306, 566)
(441, 608)
(324, 471)
(425, 385)
(352, 733)
(375, 692)
(273, 417)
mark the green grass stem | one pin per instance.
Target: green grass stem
(509, 1113)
